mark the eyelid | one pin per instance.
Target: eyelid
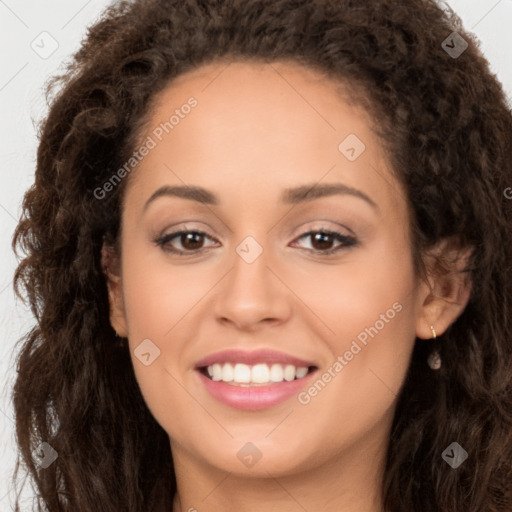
(321, 225)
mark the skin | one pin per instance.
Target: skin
(258, 129)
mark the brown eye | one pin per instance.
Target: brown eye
(190, 242)
(322, 241)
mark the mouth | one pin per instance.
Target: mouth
(254, 380)
(261, 374)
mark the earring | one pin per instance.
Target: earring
(434, 359)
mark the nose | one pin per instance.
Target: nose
(253, 294)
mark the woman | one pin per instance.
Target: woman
(268, 248)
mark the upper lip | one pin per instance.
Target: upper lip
(252, 357)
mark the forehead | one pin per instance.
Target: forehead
(256, 126)
(266, 90)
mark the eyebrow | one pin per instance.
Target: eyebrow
(294, 195)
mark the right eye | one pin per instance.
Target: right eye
(190, 242)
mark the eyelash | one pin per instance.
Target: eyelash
(346, 241)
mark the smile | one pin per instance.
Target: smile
(254, 380)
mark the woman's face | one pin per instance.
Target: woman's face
(256, 295)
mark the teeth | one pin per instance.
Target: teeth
(217, 372)
(258, 374)
(228, 373)
(242, 374)
(289, 372)
(301, 372)
(276, 373)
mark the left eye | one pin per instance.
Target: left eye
(322, 239)
(192, 241)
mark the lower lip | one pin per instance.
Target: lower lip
(254, 398)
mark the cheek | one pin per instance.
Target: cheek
(367, 310)
(155, 299)
(364, 291)
(157, 295)
(162, 303)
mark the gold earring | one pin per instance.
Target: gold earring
(434, 359)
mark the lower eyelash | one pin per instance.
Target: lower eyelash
(347, 241)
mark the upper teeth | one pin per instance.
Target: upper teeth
(258, 374)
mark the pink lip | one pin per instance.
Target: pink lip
(253, 398)
(252, 358)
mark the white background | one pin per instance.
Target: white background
(23, 74)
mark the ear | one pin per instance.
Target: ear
(444, 295)
(110, 265)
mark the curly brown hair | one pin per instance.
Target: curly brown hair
(448, 129)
